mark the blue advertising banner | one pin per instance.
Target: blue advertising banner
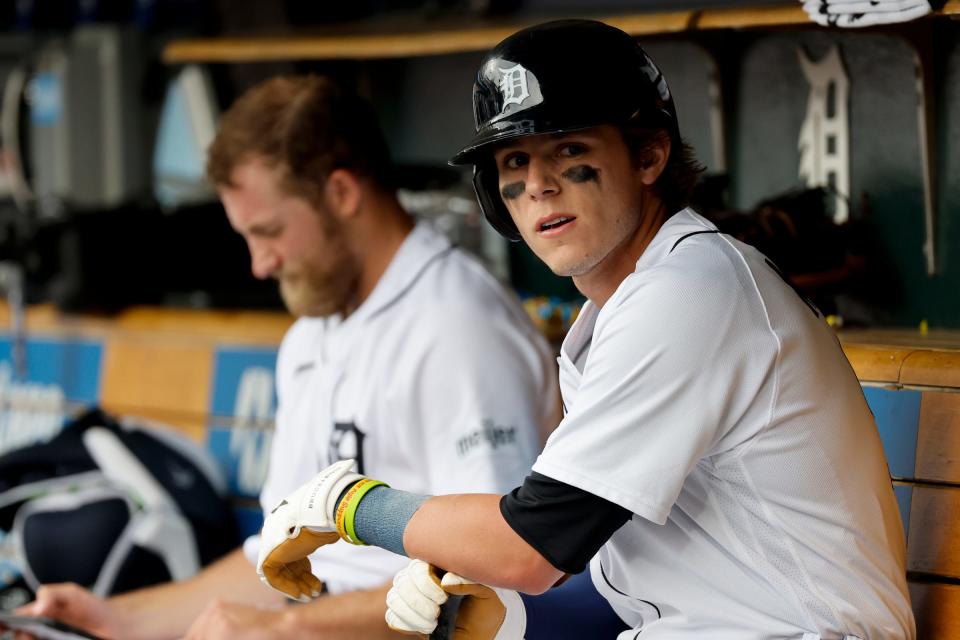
(897, 413)
(71, 365)
(243, 404)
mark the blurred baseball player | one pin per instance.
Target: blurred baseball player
(407, 356)
(717, 465)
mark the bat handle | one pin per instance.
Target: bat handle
(447, 622)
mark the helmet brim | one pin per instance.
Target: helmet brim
(483, 144)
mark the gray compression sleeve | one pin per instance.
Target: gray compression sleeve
(382, 517)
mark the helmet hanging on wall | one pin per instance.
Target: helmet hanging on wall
(558, 77)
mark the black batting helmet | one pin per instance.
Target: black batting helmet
(557, 77)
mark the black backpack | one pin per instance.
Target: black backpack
(112, 505)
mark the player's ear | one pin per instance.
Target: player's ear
(343, 193)
(652, 160)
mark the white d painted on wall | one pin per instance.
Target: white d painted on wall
(251, 445)
(824, 141)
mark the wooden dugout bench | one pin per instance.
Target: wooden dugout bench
(210, 375)
(912, 384)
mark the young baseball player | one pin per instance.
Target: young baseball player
(717, 466)
(407, 356)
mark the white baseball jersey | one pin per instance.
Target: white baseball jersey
(438, 383)
(707, 398)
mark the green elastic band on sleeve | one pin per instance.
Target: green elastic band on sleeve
(351, 510)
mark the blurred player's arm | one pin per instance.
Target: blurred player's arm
(154, 613)
(346, 616)
(226, 601)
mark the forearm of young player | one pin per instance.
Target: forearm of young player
(167, 610)
(466, 534)
(345, 616)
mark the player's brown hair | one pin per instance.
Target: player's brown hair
(307, 126)
(676, 182)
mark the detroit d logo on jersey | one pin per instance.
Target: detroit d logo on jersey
(346, 442)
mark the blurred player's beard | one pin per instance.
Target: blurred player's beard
(325, 281)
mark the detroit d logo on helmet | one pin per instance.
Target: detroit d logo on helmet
(513, 86)
(515, 83)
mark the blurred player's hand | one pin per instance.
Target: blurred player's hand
(297, 527)
(485, 613)
(76, 606)
(230, 621)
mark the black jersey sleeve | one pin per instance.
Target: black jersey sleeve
(566, 525)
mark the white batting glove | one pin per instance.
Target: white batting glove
(297, 527)
(413, 602)
(485, 613)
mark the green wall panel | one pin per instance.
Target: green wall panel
(886, 171)
(944, 289)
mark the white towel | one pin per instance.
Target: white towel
(832, 7)
(849, 2)
(863, 18)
